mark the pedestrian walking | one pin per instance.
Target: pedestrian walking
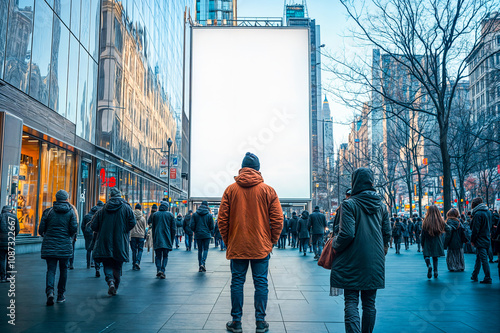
(317, 225)
(283, 236)
(58, 226)
(360, 249)
(113, 224)
(292, 226)
(496, 246)
(406, 234)
(203, 226)
(88, 234)
(397, 234)
(481, 225)
(250, 222)
(411, 226)
(417, 229)
(137, 237)
(9, 229)
(188, 232)
(218, 236)
(433, 228)
(179, 230)
(453, 242)
(164, 232)
(149, 234)
(303, 231)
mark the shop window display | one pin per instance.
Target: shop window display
(28, 184)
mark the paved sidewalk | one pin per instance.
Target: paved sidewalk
(188, 301)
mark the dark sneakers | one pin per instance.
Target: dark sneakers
(50, 299)
(262, 326)
(112, 289)
(97, 274)
(234, 326)
(429, 272)
(61, 299)
(486, 281)
(474, 278)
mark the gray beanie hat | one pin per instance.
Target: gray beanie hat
(62, 195)
(114, 192)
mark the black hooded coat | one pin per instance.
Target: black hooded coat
(202, 223)
(364, 231)
(58, 226)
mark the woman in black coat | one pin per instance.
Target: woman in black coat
(433, 228)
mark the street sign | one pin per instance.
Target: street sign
(175, 161)
(163, 163)
(163, 173)
(173, 173)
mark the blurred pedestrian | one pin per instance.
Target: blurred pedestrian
(9, 229)
(453, 242)
(202, 225)
(164, 232)
(317, 225)
(360, 249)
(137, 236)
(179, 230)
(397, 234)
(58, 226)
(303, 231)
(88, 234)
(250, 222)
(481, 225)
(433, 228)
(417, 229)
(283, 236)
(292, 226)
(149, 235)
(113, 224)
(188, 232)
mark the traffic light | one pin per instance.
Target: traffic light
(424, 162)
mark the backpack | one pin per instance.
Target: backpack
(397, 232)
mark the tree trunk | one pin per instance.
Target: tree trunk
(445, 156)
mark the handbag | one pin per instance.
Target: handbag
(327, 256)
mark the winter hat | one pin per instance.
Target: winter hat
(294, 214)
(114, 192)
(316, 208)
(138, 206)
(251, 161)
(100, 203)
(62, 195)
(204, 203)
(154, 207)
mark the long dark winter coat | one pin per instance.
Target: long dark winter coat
(164, 228)
(202, 223)
(6, 227)
(432, 246)
(284, 231)
(292, 224)
(452, 238)
(113, 224)
(317, 223)
(87, 227)
(303, 226)
(58, 226)
(481, 226)
(364, 231)
(186, 225)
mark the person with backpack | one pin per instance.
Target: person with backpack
(203, 226)
(88, 234)
(58, 227)
(397, 234)
(137, 236)
(454, 241)
(188, 233)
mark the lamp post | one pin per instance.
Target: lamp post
(169, 144)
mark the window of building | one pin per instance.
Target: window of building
(28, 185)
(75, 17)
(59, 67)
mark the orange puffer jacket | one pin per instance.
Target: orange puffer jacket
(250, 217)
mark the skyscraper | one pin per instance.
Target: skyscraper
(216, 12)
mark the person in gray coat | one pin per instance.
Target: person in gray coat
(58, 226)
(164, 231)
(433, 229)
(360, 248)
(303, 231)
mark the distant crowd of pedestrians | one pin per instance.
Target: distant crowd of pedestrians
(250, 223)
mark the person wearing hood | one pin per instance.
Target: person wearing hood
(188, 232)
(58, 226)
(202, 224)
(454, 242)
(113, 224)
(88, 234)
(179, 231)
(163, 231)
(9, 228)
(481, 226)
(137, 236)
(317, 225)
(292, 226)
(336, 219)
(360, 248)
(303, 231)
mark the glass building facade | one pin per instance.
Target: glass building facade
(216, 12)
(96, 88)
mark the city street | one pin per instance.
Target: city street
(188, 301)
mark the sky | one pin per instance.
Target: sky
(331, 17)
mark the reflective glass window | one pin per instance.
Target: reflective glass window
(118, 35)
(40, 55)
(63, 10)
(18, 51)
(75, 17)
(82, 119)
(85, 23)
(95, 12)
(92, 98)
(4, 8)
(59, 67)
(74, 48)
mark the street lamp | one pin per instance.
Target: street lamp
(169, 144)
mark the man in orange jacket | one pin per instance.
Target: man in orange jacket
(250, 222)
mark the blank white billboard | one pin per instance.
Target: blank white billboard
(250, 93)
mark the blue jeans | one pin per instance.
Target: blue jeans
(188, 239)
(351, 313)
(294, 239)
(239, 268)
(304, 242)
(161, 259)
(112, 270)
(51, 275)
(137, 246)
(482, 260)
(317, 242)
(203, 250)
